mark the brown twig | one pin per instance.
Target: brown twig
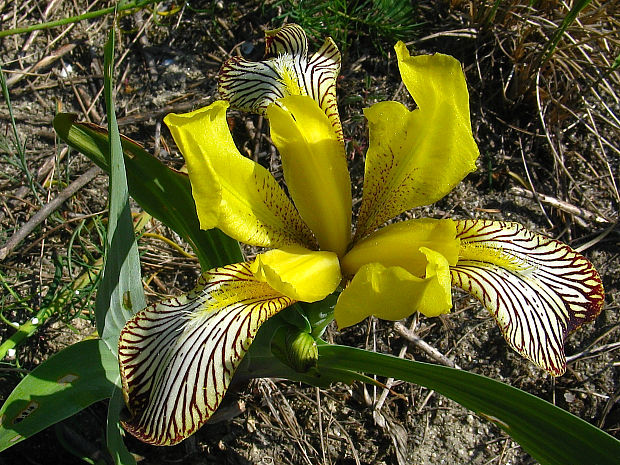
(43, 63)
(560, 205)
(46, 210)
(424, 346)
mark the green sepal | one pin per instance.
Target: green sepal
(320, 314)
(295, 348)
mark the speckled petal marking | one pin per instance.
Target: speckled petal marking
(232, 192)
(416, 157)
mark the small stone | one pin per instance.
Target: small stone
(247, 48)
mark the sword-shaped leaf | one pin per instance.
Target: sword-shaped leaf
(551, 435)
(120, 293)
(66, 383)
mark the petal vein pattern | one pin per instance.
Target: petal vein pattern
(177, 357)
(538, 289)
(253, 86)
(250, 86)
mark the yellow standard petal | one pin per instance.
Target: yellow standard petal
(232, 192)
(315, 169)
(299, 273)
(416, 157)
(399, 244)
(393, 293)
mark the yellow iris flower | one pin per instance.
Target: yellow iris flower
(177, 358)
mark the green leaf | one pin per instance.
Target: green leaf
(120, 294)
(115, 433)
(163, 192)
(66, 383)
(551, 435)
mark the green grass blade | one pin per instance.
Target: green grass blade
(66, 383)
(567, 21)
(136, 4)
(55, 305)
(120, 294)
(549, 434)
(18, 144)
(163, 192)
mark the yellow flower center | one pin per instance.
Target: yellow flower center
(288, 76)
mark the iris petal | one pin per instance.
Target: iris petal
(393, 293)
(417, 157)
(538, 289)
(398, 244)
(315, 169)
(299, 273)
(232, 192)
(177, 358)
(253, 86)
(250, 85)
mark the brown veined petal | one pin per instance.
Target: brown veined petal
(253, 86)
(177, 357)
(250, 86)
(290, 38)
(538, 289)
(319, 80)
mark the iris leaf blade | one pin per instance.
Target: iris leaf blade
(120, 293)
(114, 436)
(63, 385)
(549, 434)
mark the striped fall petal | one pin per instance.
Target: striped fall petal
(538, 289)
(177, 357)
(253, 86)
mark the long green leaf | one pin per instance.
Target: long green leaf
(114, 436)
(137, 4)
(162, 192)
(66, 383)
(120, 294)
(551, 435)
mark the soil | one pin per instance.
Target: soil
(553, 128)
